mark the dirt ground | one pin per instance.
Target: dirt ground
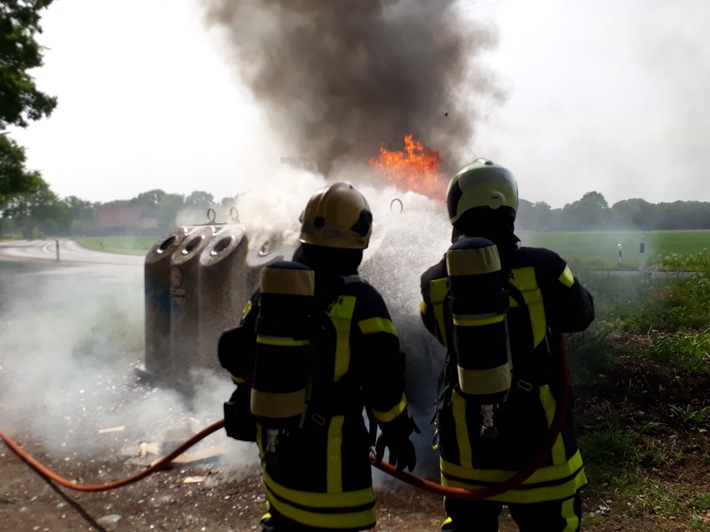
(213, 495)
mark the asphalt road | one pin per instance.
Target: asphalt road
(62, 251)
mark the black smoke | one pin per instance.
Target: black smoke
(337, 79)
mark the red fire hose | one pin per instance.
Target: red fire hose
(418, 482)
(160, 464)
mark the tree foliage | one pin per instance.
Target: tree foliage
(14, 178)
(20, 100)
(37, 212)
(592, 213)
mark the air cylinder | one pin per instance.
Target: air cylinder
(478, 303)
(282, 363)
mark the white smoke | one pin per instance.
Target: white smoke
(69, 347)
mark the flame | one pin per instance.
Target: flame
(415, 168)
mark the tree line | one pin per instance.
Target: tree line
(42, 212)
(592, 213)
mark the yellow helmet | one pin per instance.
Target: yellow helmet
(337, 216)
(482, 183)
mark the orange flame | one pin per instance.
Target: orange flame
(414, 168)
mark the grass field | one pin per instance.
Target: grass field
(600, 249)
(128, 245)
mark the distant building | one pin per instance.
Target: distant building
(120, 215)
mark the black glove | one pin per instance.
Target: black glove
(401, 451)
(239, 423)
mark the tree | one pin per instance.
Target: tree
(168, 209)
(14, 178)
(586, 214)
(37, 212)
(534, 216)
(199, 200)
(20, 100)
(80, 215)
(149, 200)
(634, 213)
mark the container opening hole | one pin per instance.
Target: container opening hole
(192, 244)
(167, 243)
(221, 245)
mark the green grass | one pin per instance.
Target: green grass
(599, 249)
(128, 245)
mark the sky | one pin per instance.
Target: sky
(581, 96)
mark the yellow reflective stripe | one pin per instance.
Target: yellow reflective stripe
(287, 281)
(247, 309)
(438, 290)
(566, 277)
(316, 500)
(524, 280)
(473, 261)
(539, 487)
(470, 321)
(280, 341)
(422, 307)
(392, 413)
(341, 314)
(485, 381)
(376, 325)
(458, 406)
(334, 456)
(305, 507)
(549, 405)
(239, 380)
(569, 515)
(277, 405)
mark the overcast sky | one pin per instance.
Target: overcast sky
(607, 96)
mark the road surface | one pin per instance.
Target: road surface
(68, 252)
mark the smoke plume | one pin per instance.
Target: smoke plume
(337, 80)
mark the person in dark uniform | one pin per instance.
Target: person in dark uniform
(543, 301)
(317, 475)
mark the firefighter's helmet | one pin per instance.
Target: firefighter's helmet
(482, 183)
(337, 216)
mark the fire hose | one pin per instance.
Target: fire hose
(418, 482)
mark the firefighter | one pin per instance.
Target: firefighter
(543, 300)
(316, 472)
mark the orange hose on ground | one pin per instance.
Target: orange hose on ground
(160, 464)
(418, 482)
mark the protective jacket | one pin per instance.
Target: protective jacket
(545, 301)
(321, 476)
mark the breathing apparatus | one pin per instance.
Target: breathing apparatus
(478, 302)
(282, 365)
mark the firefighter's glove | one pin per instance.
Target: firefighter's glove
(239, 423)
(401, 451)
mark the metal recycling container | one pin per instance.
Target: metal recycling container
(267, 247)
(226, 284)
(157, 300)
(184, 302)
